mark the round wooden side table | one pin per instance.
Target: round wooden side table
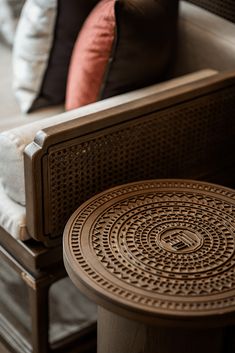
(158, 257)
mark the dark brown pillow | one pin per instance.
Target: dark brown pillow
(70, 17)
(143, 37)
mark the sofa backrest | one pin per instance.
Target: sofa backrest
(205, 40)
(222, 8)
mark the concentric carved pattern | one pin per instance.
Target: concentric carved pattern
(158, 244)
(222, 8)
(184, 141)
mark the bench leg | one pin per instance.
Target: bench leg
(39, 310)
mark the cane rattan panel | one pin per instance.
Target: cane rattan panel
(190, 140)
(222, 8)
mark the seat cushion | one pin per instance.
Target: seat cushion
(12, 216)
(10, 117)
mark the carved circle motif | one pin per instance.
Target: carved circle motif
(179, 240)
(157, 245)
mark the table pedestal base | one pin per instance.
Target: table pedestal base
(120, 335)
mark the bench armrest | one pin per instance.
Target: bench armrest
(14, 141)
(185, 132)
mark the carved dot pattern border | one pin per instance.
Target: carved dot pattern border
(129, 239)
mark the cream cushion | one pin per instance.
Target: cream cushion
(32, 45)
(10, 117)
(12, 216)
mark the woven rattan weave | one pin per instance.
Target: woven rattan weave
(176, 139)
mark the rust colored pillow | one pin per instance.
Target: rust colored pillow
(123, 45)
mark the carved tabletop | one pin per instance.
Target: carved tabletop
(158, 251)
